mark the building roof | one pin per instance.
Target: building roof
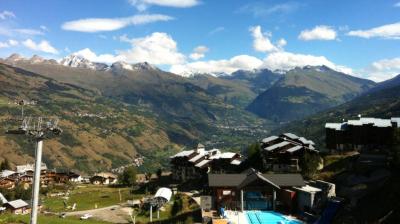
(336, 126)
(276, 146)
(30, 167)
(164, 192)
(376, 122)
(203, 163)
(291, 136)
(294, 149)
(308, 189)
(235, 180)
(7, 173)
(236, 162)
(183, 154)
(17, 203)
(269, 139)
(105, 175)
(197, 157)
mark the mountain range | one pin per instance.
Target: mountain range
(158, 112)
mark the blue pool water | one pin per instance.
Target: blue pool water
(268, 217)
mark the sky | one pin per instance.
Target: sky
(359, 37)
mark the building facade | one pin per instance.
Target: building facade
(362, 134)
(283, 153)
(196, 163)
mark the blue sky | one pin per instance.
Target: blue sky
(358, 37)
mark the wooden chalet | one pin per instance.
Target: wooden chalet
(283, 153)
(195, 164)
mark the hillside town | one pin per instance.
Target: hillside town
(230, 187)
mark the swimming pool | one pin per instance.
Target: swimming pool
(268, 217)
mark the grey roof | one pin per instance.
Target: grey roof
(291, 136)
(202, 163)
(295, 148)
(336, 126)
(276, 146)
(183, 154)
(269, 139)
(234, 180)
(17, 203)
(253, 177)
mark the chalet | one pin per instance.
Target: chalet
(195, 164)
(252, 190)
(283, 153)
(103, 178)
(17, 207)
(362, 134)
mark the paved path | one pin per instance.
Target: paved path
(113, 214)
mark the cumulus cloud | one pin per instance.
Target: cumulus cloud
(383, 69)
(43, 46)
(6, 14)
(389, 31)
(92, 25)
(287, 60)
(244, 62)
(261, 41)
(157, 48)
(92, 56)
(318, 33)
(142, 5)
(199, 52)
(9, 43)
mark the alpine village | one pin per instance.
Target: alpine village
(136, 137)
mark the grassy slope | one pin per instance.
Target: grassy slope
(153, 114)
(88, 144)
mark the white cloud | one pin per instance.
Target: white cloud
(44, 28)
(43, 46)
(157, 48)
(383, 69)
(287, 60)
(261, 42)
(6, 14)
(9, 43)
(199, 52)
(262, 9)
(318, 33)
(142, 5)
(244, 62)
(397, 4)
(92, 25)
(281, 43)
(216, 30)
(22, 32)
(389, 31)
(103, 58)
(30, 32)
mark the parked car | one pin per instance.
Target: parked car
(86, 216)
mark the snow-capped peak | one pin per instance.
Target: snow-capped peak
(143, 66)
(121, 65)
(15, 57)
(36, 59)
(77, 61)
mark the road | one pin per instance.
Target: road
(114, 214)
